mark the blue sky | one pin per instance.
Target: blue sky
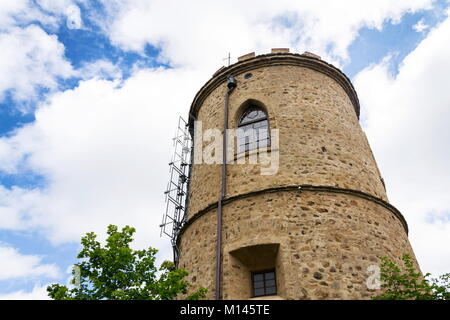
(87, 111)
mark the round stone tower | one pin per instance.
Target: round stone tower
(309, 223)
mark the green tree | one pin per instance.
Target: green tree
(409, 284)
(117, 272)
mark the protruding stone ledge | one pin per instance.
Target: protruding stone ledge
(300, 189)
(246, 56)
(279, 50)
(268, 298)
(312, 55)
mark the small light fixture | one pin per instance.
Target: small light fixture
(231, 82)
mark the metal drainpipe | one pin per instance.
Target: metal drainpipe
(231, 84)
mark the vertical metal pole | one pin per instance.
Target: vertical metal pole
(218, 293)
(219, 252)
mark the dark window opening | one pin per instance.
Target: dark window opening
(264, 283)
(254, 130)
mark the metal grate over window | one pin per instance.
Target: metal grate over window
(264, 283)
(254, 130)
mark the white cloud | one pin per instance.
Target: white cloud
(64, 8)
(18, 208)
(201, 33)
(50, 13)
(407, 124)
(38, 293)
(16, 265)
(99, 69)
(420, 26)
(9, 157)
(30, 59)
(104, 150)
(17, 12)
(73, 17)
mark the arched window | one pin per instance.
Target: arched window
(254, 133)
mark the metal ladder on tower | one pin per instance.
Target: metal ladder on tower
(177, 187)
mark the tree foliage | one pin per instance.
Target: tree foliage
(117, 272)
(409, 284)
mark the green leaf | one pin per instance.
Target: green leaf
(117, 272)
(409, 284)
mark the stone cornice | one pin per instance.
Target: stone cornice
(277, 59)
(301, 188)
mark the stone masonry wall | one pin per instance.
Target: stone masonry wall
(311, 111)
(326, 239)
(327, 242)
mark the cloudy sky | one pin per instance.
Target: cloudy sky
(91, 90)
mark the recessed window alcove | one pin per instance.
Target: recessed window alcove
(255, 270)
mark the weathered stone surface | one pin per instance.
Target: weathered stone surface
(315, 112)
(336, 235)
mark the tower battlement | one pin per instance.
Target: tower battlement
(250, 61)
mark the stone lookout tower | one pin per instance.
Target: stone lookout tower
(311, 227)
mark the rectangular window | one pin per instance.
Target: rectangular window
(264, 283)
